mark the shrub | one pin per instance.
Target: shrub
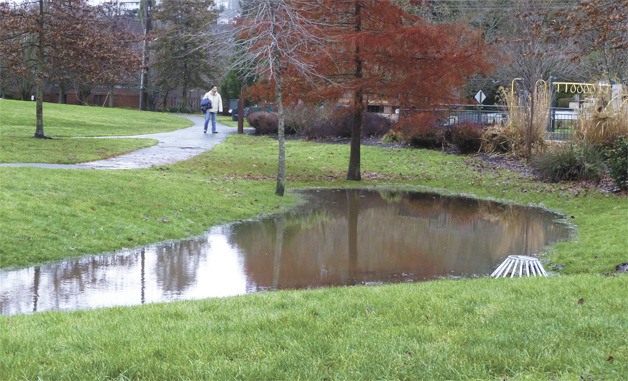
(318, 122)
(264, 123)
(572, 162)
(338, 122)
(467, 136)
(420, 130)
(393, 137)
(375, 125)
(301, 119)
(498, 139)
(333, 122)
(617, 162)
(603, 124)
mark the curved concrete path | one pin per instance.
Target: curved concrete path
(172, 147)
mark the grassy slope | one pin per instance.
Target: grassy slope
(556, 328)
(53, 214)
(65, 122)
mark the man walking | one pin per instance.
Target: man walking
(216, 102)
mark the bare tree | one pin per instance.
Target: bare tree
(528, 48)
(599, 32)
(525, 46)
(45, 39)
(275, 37)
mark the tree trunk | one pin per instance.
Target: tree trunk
(143, 77)
(281, 169)
(83, 94)
(276, 74)
(39, 75)
(530, 125)
(185, 102)
(110, 97)
(60, 95)
(353, 173)
(39, 108)
(241, 111)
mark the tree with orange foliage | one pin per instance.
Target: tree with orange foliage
(377, 50)
(360, 49)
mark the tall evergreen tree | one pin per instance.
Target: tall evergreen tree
(181, 63)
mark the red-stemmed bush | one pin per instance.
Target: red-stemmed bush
(467, 136)
(319, 122)
(264, 123)
(420, 130)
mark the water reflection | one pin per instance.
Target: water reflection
(340, 237)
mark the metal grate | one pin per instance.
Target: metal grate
(519, 265)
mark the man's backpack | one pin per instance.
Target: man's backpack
(206, 104)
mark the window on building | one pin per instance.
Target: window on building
(374, 108)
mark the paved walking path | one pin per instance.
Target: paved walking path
(172, 147)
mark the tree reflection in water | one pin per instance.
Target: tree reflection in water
(339, 237)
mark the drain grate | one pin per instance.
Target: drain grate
(519, 265)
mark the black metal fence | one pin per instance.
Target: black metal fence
(485, 115)
(561, 125)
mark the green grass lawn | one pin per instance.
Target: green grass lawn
(66, 123)
(566, 327)
(559, 328)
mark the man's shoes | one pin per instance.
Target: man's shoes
(214, 132)
(204, 131)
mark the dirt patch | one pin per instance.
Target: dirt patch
(491, 161)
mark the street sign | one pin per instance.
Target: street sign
(480, 97)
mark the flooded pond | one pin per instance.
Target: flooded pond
(339, 237)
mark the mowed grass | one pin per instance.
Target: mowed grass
(70, 128)
(559, 328)
(66, 150)
(55, 214)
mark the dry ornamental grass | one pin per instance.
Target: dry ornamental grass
(605, 122)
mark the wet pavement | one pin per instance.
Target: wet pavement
(172, 147)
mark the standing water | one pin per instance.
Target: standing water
(339, 237)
